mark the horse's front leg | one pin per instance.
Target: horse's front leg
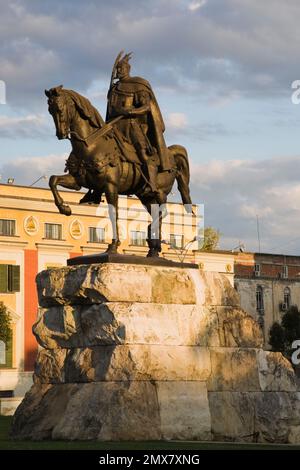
(66, 181)
(111, 194)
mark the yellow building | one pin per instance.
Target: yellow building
(34, 236)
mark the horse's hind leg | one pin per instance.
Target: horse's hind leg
(66, 181)
(112, 200)
(154, 228)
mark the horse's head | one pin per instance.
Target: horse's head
(67, 108)
(59, 107)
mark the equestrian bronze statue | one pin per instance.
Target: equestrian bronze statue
(125, 154)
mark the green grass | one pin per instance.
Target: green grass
(7, 443)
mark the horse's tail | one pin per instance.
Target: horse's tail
(183, 174)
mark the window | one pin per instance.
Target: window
(8, 227)
(259, 299)
(287, 297)
(257, 269)
(2, 352)
(9, 278)
(6, 354)
(138, 238)
(176, 241)
(96, 234)
(285, 273)
(53, 231)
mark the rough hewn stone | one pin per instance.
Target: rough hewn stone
(246, 369)
(238, 329)
(117, 363)
(39, 412)
(50, 366)
(233, 369)
(275, 372)
(214, 289)
(76, 326)
(246, 416)
(232, 415)
(130, 352)
(102, 411)
(184, 410)
(97, 283)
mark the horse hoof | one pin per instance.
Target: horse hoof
(112, 249)
(153, 253)
(65, 210)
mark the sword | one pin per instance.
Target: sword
(103, 130)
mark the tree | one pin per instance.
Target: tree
(281, 336)
(276, 338)
(291, 324)
(211, 239)
(5, 324)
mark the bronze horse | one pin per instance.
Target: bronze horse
(96, 162)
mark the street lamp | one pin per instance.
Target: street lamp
(44, 177)
(240, 248)
(182, 252)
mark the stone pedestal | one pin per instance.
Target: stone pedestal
(136, 352)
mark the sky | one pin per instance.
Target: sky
(222, 72)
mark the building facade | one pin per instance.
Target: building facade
(34, 236)
(268, 285)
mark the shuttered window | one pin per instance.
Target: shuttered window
(53, 231)
(6, 354)
(176, 241)
(138, 238)
(96, 234)
(9, 278)
(7, 227)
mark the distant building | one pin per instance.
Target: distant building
(34, 236)
(268, 285)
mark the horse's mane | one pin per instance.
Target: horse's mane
(86, 108)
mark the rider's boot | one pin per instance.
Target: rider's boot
(91, 197)
(87, 198)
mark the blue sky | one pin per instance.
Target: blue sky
(222, 72)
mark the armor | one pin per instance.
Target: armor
(142, 123)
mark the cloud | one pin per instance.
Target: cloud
(26, 170)
(233, 192)
(178, 126)
(177, 121)
(236, 192)
(29, 126)
(223, 48)
(195, 5)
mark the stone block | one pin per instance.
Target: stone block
(76, 326)
(97, 283)
(275, 372)
(232, 415)
(238, 329)
(121, 363)
(101, 411)
(233, 369)
(262, 416)
(214, 289)
(184, 410)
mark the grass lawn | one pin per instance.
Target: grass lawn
(6, 443)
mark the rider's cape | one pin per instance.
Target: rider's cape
(156, 126)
